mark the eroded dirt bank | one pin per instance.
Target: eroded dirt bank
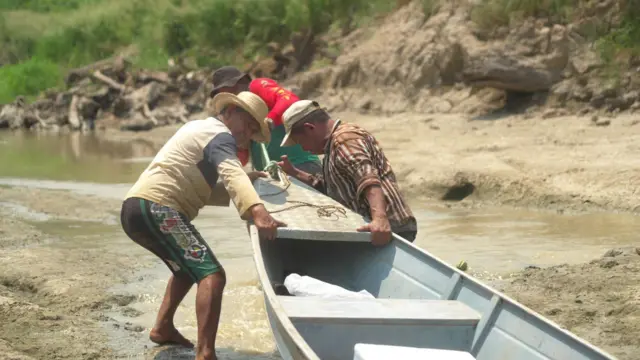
(599, 301)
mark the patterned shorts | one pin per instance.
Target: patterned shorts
(170, 236)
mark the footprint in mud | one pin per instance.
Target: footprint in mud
(134, 328)
(121, 300)
(131, 312)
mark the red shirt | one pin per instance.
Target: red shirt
(243, 156)
(277, 99)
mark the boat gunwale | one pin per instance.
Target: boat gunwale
(270, 296)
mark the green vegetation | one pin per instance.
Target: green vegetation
(28, 78)
(41, 39)
(38, 35)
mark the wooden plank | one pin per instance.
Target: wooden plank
(387, 311)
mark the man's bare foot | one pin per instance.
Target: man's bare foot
(169, 336)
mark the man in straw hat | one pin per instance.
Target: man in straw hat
(356, 172)
(278, 99)
(182, 179)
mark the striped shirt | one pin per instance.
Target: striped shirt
(354, 161)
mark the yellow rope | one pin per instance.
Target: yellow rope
(323, 211)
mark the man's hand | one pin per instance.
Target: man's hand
(287, 166)
(254, 175)
(267, 225)
(380, 230)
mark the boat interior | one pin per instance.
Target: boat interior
(419, 302)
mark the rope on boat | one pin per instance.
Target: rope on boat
(276, 173)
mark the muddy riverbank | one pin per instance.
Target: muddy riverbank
(58, 259)
(561, 163)
(598, 300)
(73, 286)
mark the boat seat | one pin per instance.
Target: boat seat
(385, 352)
(379, 311)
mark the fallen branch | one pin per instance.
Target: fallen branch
(74, 118)
(107, 80)
(40, 120)
(149, 115)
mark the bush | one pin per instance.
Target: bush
(44, 5)
(28, 78)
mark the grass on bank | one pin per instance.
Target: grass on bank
(41, 39)
(36, 35)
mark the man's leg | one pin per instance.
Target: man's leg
(164, 331)
(208, 307)
(140, 226)
(194, 258)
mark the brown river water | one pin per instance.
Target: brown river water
(494, 241)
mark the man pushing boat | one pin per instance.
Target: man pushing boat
(356, 172)
(181, 180)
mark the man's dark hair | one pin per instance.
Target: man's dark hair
(227, 76)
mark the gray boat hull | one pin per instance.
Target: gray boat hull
(500, 329)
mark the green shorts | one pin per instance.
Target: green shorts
(169, 235)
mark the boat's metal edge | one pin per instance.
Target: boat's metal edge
(303, 348)
(302, 234)
(502, 297)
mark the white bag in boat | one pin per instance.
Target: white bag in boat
(307, 286)
(385, 352)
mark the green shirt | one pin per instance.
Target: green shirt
(295, 153)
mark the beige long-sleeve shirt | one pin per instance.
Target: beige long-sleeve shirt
(185, 173)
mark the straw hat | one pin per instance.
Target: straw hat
(250, 103)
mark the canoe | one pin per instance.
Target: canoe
(420, 301)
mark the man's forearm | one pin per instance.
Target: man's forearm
(304, 177)
(377, 203)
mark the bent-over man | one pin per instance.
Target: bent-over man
(182, 179)
(355, 173)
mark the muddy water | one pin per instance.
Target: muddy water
(492, 241)
(73, 157)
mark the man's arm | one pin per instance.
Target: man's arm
(354, 158)
(377, 203)
(220, 153)
(277, 98)
(315, 181)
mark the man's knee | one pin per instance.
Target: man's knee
(217, 280)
